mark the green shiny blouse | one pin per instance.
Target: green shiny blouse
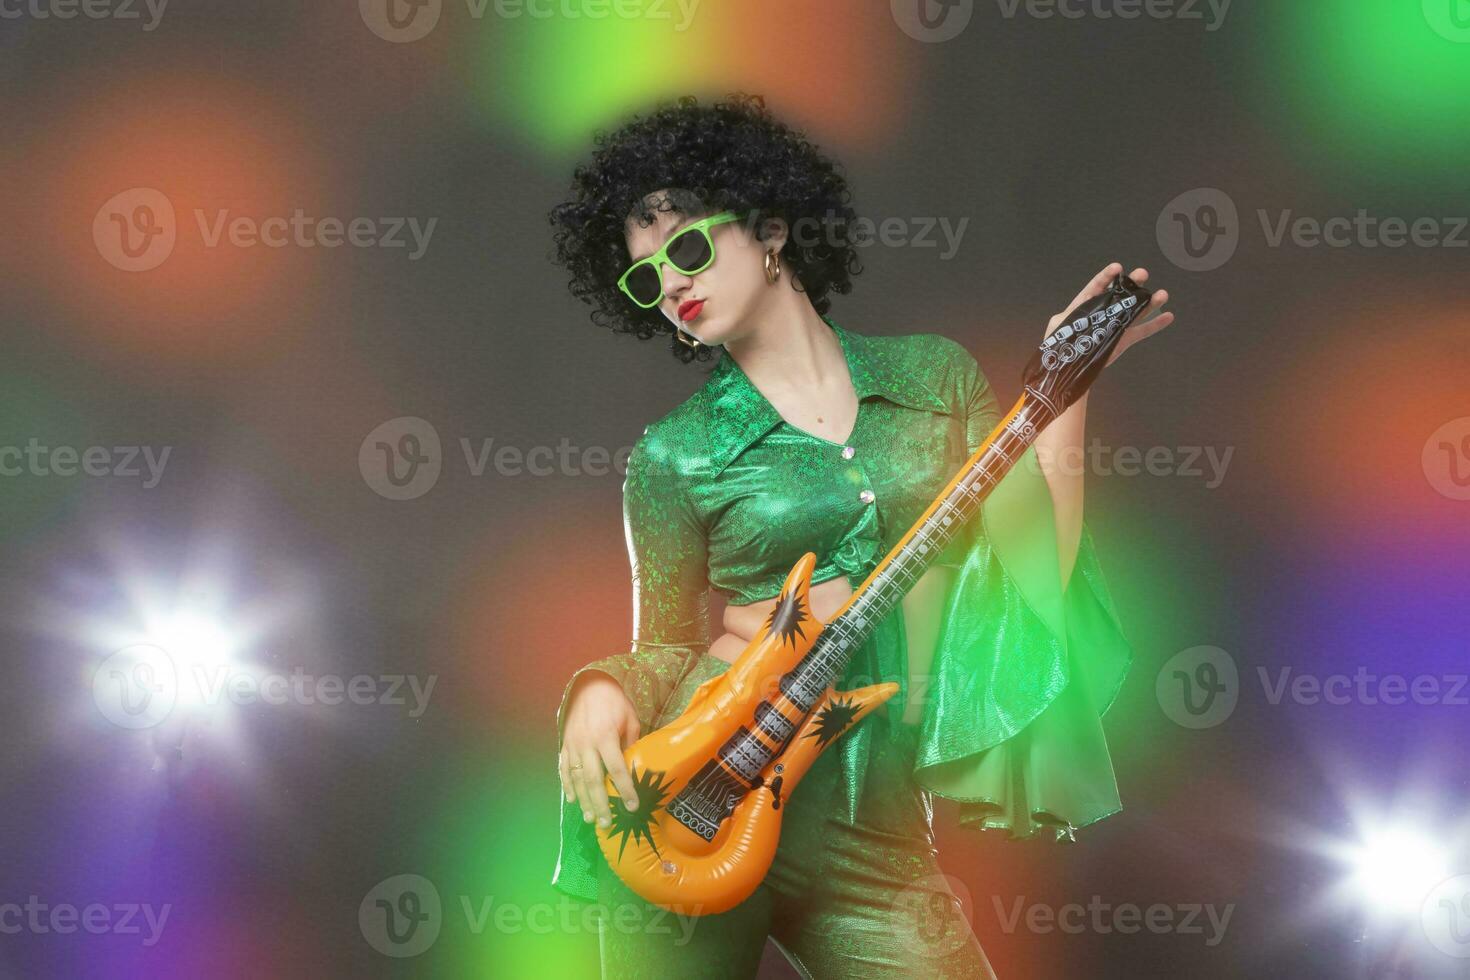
(723, 493)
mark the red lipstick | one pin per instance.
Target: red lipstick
(690, 308)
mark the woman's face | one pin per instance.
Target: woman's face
(718, 304)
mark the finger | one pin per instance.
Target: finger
(631, 730)
(1155, 325)
(1092, 288)
(617, 770)
(587, 778)
(584, 799)
(566, 776)
(1152, 312)
(1140, 332)
(1097, 285)
(593, 781)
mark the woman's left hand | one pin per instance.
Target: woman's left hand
(1150, 322)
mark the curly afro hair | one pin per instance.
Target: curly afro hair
(731, 155)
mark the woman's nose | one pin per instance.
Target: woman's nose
(674, 280)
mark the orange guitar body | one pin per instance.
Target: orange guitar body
(704, 869)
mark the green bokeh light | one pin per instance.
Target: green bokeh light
(1376, 85)
(556, 79)
(32, 493)
(493, 847)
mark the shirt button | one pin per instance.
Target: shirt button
(848, 452)
(866, 496)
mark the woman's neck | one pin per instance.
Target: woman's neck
(789, 347)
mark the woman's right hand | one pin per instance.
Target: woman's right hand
(600, 722)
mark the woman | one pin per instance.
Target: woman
(720, 227)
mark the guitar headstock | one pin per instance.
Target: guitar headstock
(1068, 361)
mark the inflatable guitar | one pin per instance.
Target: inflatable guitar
(713, 783)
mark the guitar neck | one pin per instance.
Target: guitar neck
(1058, 374)
(957, 504)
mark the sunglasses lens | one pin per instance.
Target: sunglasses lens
(644, 285)
(690, 251)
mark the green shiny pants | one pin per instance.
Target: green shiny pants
(863, 900)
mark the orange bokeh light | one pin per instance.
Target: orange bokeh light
(1352, 420)
(214, 150)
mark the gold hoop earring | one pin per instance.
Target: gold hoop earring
(692, 344)
(773, 266)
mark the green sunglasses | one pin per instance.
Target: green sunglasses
(690, 251)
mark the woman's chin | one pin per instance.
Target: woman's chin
(707, 333)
